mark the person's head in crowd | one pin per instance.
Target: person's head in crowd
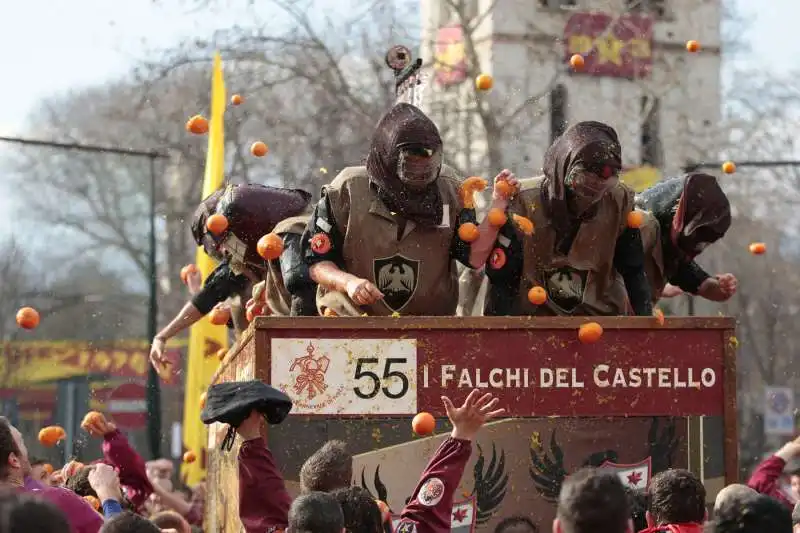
(316, 512)
(794, 482)
(79, 482)
(675, 496)
(40, 470)
(171, 520)
(760, 514)
(516, 524)
(361, 511)
(735, 492)
(23, 513)
(128, 522)
(637, 499)
(14, 465)
(328, 469)
(593, 501)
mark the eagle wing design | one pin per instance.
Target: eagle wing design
(380, 488)
(547, 470)
(663, 444)
(490, 484)
(396, 277)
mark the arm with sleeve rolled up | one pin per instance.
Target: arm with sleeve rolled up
(132, 473)
(629, 262)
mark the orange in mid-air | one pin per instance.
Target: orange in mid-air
(237, 99)
(524, 224)
(729, 167)
(468, 232)
(28, 318)
(217, 224)
(270, 246)
(590, 332)
(423, 424)
(469, 187)
(484, 82)
(185, 271)
(537, 295)
(692, 46)
(635, 219)
(577, 62)
(197, 125)
(189, 457)
(219, 315)
(92, 418)
(758, 248)
(505, 189)
(497, 217)
(259, 149)
(50, 435)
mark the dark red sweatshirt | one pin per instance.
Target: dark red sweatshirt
(765, 479)
(130, 465)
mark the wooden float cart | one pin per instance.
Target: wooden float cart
(644, 398)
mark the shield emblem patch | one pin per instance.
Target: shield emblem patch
(397, 278)
(634, 476)
(566, 287)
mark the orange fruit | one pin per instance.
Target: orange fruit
(259, 149)
(659, 314)
(423, 424)
(219, 316)
(329, 312)
(27, 318)
(217, 224)
(203, 400)
(270, 246)
(237, 99)
(185, 271)
(497, 217)
(524, 224)
(468, 189)
(221, 353)
(505, 189)
(197, 125)
(692, 46)
(758, 248)
(50, 435)
(590, 332)
(468, 232)
(635, 219)
(537, 295)
(254, 310)
(94, 502)
(91, 418)
(189, 457)
(577, 62)
(484, 82)
(729, 167)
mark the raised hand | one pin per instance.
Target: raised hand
(476, 410)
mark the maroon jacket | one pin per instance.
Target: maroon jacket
(263, 500)
(81, 516)
(130, 465)
(765, 479)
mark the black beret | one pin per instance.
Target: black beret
(231, 403)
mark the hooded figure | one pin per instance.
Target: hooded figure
(252, 211)
(383, 238)
(684, 216)
(581, 251)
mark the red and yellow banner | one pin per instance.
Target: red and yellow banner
(615, 46)
(450, 62)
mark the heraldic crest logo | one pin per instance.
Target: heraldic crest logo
(310, 388)
(397, 278)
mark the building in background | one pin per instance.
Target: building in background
(638, 76)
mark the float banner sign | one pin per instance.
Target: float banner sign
(534, 372)
(614, 46)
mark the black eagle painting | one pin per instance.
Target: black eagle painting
(547, 465)
(491, 484)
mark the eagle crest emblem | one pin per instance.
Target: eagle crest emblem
(566, 287)
(491, 485)
(397, 278)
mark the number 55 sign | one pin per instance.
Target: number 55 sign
(347, 376)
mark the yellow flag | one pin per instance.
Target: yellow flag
(205, 339)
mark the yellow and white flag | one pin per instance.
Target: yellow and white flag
(205, 339)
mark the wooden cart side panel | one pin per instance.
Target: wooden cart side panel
(730, 412)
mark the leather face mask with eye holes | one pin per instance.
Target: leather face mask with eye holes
(418, 166)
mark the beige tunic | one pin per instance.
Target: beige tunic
(584, 282)
(415, 272)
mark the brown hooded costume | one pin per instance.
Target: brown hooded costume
(581, 252)
(683, 216)
(393, 222)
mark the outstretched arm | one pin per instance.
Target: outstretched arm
(629, 262)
